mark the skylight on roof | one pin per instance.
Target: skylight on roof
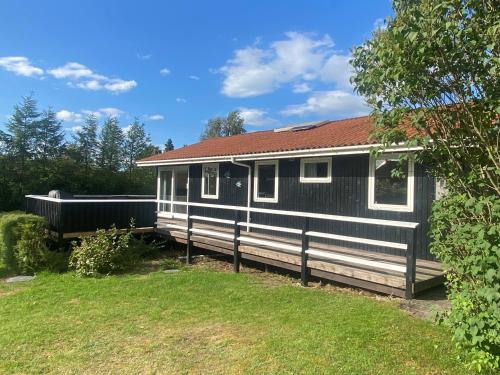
(301, 126)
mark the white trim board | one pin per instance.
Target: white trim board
(328, 151)
(58, 200)
(256, 197)
(209, 196)
(321, 180)
(351, 219)
(410, 187)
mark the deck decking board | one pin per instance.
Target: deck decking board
(428, 275)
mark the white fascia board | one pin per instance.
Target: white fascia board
(346, 150)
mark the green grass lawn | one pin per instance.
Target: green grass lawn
(202, 321)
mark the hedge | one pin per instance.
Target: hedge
(23, 241)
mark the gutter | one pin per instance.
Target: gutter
(249, 186)
(344, 150)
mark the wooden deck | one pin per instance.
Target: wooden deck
(363, 275)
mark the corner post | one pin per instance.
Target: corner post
(236, 242)
(411, 263)
(189, 243)
(304, 272)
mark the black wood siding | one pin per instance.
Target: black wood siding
(85, 216)
(347, 195)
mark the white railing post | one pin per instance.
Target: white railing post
(304, 272)
(236, 242)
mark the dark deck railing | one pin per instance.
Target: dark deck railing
(86, 213)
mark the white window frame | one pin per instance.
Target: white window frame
(409, 189)
(171, 214)
(256, 198)
(306, 180)
(209, 196)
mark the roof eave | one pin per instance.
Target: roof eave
(344, 150)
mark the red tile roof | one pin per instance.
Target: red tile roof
(349, 132)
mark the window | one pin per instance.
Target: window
(316, 170)
(210, 181)
(387, 192)
(266, 181)
(164, 189)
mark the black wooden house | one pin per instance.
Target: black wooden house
(309, 198)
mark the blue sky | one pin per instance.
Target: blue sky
(176, 64)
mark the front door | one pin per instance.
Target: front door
(173, 186)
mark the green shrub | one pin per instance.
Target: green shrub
(23, 242)
(106, 252)
(465, 236)
(31, 250)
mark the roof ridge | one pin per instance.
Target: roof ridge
(349, 118)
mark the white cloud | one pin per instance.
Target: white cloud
(156, 117)
(144, 57)
(196, 78)
(338, 70)
(165, 71)
(255, 71)
(97, 114)
(76, 129)
(126, 129)
(111, 112)
(73, 70)
(324, 103)
(78, 117)
(88, 85)
(65, 115)
(379, 24)
(256, 117)
(180, 100)
(119, 85)
(83, 77)
(20, 65)
(300, 88)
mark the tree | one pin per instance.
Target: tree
(136, 144)
(432, 77)
(22, 128)
(233, 124)
(169, 145)
(86, 142)
(110, 145)
(49, 136)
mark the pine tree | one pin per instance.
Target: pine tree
(136, 144)
(22, 127)
(169, 145)
(49, 136)
(110, 145)
(86, 142)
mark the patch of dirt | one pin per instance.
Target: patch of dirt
(428, 304)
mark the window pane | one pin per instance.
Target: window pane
(388, 189)
(313, 170)
(165, 189)
(180, 190)
(267, 173)
(210, 180)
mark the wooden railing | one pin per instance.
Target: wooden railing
(304, 250)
